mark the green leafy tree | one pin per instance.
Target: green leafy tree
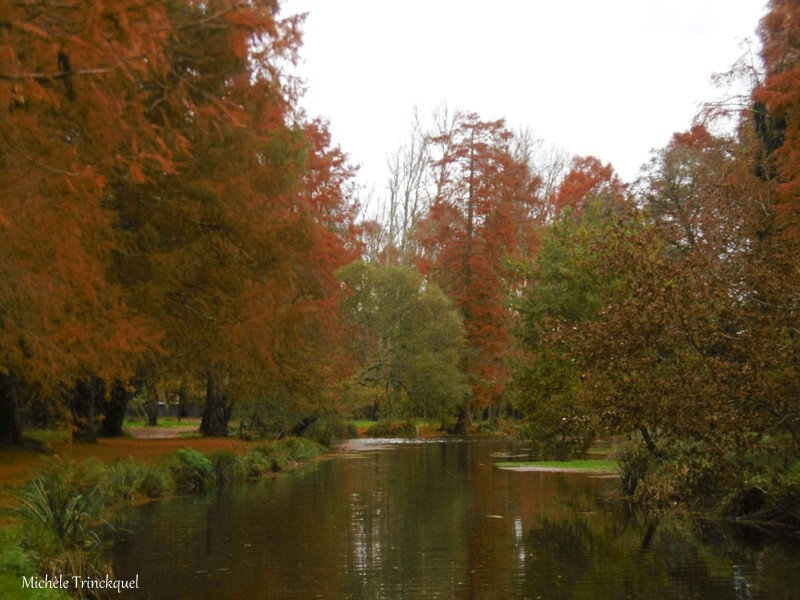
(564, 290)
(408, 339)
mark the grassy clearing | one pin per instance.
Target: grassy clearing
(48, 436)
(603, 466)
(363, 424)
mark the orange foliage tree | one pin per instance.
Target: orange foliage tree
(72, 114)
(232, 256)
(587, 178)
(469, 233)
(160, 202)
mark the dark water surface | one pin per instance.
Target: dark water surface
(433, 520)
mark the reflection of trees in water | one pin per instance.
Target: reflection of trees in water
(556, 546)
(606, 555)
(435, 521)
(405, 530)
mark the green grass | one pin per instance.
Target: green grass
(363, 424)
(17, 562)
(393, 429)
(47, 436)
(585, 465)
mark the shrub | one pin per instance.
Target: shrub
(124, 479)
(61, 512)
(191, 470)
(256, 463)
(633, 464)
(228, 467)
(276, 455)
(772, 498)
(783, 504)
(558, 439)
(13, 557)
(299, 449)
(448, 423)
(402, 429)
(324, 430)
(254, 430)
(156, 482)
(751, 484)
(65, 499)
(16, 561)
(676, 475)
(793, 472)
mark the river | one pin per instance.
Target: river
(433, 520)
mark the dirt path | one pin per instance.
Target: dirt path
(161, 433)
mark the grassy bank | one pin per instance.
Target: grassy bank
(569, 466)
(19, 465)
(57, 522)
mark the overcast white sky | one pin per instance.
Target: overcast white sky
(613, 78)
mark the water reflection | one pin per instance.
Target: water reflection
(432, 520)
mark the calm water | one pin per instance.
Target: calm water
(433, 520)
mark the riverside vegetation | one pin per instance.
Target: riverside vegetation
(176, 233)
(59, 525)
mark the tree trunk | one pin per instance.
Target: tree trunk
(464, 423)
(651, 446)
(495, 410)
(87, 398)
(470, 215)
(375, 409)
(114, 410)
(183, 396)
(216, 412)
(151, 407)
(10, 422)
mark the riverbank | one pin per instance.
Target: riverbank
(19, 465)
(756, 489)
(54, 524)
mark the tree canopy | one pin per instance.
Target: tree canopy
(407, 340)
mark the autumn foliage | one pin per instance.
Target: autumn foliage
(587, 178)
(670, 317)
(173, 225)
(467, 237)
(165, 217)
